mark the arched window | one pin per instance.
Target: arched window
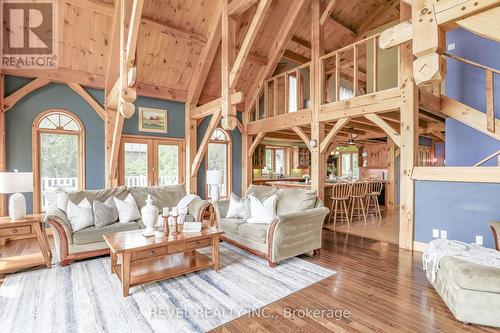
(219, 158)
(58, 155)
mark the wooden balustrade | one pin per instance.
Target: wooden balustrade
(352, 68)
(490, 90)
(274, 97)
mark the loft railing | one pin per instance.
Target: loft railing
(348, 72)
(284, 93)
(352, 71)
(489, 86)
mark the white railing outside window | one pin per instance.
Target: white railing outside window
(50, 187)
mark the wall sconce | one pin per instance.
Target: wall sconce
(313, 143)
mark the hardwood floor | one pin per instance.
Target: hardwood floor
(385, 230)
(382, 287)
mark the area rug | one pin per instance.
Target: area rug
(86, 297)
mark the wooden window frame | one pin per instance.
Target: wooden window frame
(152, 143)
(229, 163)
(36, 132)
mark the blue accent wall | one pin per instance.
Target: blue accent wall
(463, 209)
(20, 118)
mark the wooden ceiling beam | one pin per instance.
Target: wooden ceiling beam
(297, 8)
(206, 57)
(328, 138)
(238, 7)
(327, 12)
(209, 108)
(12, 99)
(295, 57)
(303, 136)
(247, 43)
(214, 122)
(372, 19)
(341, 26)
(391, 132)
(133, 34)
(302, 42)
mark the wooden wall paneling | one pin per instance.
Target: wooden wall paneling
(390, 189)
(206, 57)
(12, 99)
(409, 139)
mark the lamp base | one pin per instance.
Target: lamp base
(214, 193)
(17, 206)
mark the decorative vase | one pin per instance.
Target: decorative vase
(149, 215)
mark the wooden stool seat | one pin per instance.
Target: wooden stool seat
(359, 191)
(340, 199)
(374, 191)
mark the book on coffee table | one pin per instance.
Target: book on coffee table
(192, 227)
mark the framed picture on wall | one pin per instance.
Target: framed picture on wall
(153, 120)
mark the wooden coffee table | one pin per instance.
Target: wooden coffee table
(148, 259)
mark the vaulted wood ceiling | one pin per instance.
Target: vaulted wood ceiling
(174, 32)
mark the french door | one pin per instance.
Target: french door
(151, 161)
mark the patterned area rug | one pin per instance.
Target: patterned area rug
(86, 297)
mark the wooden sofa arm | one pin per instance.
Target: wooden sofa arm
(62, 239)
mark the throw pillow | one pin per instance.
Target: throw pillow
(239, 208)
(80, 216)
(262, 211)
(105, 213)
(127, 209)
(62, 201)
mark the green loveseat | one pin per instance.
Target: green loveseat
(297, 228)
(89, 242)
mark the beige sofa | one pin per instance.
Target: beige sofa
(471, 291)
(296, 230)
(89, 242)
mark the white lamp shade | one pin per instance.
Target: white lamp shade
(214, 177)
(16, 182)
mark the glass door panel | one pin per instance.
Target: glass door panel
(167, 165)
(135, 164)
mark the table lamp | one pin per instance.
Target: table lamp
(16, 183)
(214, 179)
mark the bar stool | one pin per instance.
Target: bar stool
(359, 190)
(340, 196)
(374, 191)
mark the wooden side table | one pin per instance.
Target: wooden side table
(31, 225)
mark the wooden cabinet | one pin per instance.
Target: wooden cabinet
(301, 158)
(259, 157)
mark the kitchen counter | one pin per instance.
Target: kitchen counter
(287, 183)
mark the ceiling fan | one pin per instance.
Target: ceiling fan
(352, 138)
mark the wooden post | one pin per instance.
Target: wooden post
(390, 186)
(3, 160)
(191, 148)
(318, 167)
(246, 158)
(228, 52)
(409, 139)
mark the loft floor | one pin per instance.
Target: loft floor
(383, 287)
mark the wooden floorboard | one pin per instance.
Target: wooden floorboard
(383, 288)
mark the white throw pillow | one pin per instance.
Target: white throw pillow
(127, 209)
(262, 211)
(80, 216)
(62, 201)
(239, 208)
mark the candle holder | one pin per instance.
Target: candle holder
(175, 233)
(165, 225)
